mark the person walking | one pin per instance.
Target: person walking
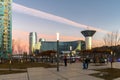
(86, 63)
(65, 61)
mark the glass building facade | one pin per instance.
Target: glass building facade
(63, 46)
(32, 42)
(5, 28)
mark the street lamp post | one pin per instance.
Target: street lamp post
(70, 53)
(57, 51)
(111, 59)
(9, 56)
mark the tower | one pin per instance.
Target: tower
(32, 42)
(88, 38)
(5, 28)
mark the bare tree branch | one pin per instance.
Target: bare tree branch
(112, 39)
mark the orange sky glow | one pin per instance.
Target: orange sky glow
(22, 38)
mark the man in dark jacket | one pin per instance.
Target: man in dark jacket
(86, 63)
(65, 60)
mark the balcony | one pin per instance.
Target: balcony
(6, 14)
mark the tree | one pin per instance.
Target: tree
(19, 47)
(112, 39)
(117, 38)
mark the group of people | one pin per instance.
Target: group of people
(85, 62)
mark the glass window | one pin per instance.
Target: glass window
(1, 5)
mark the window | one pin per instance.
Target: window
(1, 0)
(1, 5)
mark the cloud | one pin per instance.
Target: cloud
(23, 35)
(97, 43)
(62, 37)
(40, 14)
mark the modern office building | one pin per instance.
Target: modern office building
(64, 47)
(88, 38)
(5, 28)
(32, 42)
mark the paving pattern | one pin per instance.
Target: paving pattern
(73, 71)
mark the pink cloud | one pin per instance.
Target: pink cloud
(19, 34)
(97, 43)
(22, 37)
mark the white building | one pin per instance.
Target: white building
(88, 38)
(32, 42)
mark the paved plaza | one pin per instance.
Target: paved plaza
(73, 71)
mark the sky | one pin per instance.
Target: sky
(68, 17)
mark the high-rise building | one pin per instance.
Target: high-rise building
(5, 28)
(32, 42)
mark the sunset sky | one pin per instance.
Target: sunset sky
(68, 17)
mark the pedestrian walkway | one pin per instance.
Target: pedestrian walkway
(73, 71)
(18, 76)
